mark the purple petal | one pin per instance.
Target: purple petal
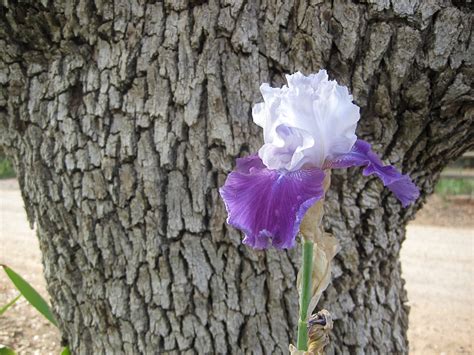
(268, 205)
(362, 155)
(244, 165)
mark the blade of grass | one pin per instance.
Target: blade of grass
(33, 297)
(5, 350)
(9, 304)
(66, 351)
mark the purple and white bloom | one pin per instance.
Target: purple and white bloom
(308, 127)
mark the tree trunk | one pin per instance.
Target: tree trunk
(124, 119)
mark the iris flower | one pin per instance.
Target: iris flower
(308, 127)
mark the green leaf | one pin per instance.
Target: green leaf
(30, 294)
(66, 351)
(9, 304)
(5, 350)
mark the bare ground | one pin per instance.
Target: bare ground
(437, 261)
(438, 267)
(22, 327)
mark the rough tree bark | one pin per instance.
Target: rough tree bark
(124, 118)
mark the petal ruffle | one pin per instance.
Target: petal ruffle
(269, 205)
(305, 123)
(362, 155)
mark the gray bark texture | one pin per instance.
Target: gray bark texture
(124, 118)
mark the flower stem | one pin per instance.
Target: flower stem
(307, 271)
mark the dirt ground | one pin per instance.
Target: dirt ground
(437, 262)
(22, 327)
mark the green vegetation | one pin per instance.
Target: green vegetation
(31, 295)
(5, 350)
(4, 308)
(6, 168)
(34, 298)
(450, 186)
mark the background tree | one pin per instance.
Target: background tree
(124, 118)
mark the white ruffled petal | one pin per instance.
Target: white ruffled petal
(305, 123)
